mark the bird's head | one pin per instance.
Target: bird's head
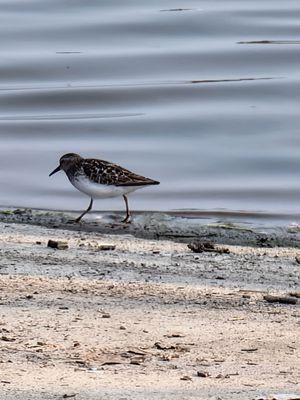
(66, 162)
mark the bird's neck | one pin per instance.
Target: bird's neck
(72, 169)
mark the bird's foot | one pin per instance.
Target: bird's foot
(127, 220)
(70, 221)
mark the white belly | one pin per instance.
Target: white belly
(99, 191)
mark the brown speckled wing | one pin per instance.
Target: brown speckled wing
(106, 173)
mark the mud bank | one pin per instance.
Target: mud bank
(157, 225)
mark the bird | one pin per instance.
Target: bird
(101, 179)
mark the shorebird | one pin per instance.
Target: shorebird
(101, 179)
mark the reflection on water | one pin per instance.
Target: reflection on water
(204, 98)
(271, 42)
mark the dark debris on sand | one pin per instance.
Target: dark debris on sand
(200, 247)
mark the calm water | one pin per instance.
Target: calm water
(165, 88)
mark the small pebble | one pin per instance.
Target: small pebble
(280, 299)
(106, 247)
(57, 244)
(202, 374)
(185, 378)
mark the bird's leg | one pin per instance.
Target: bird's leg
(126, 220)
(85, 212)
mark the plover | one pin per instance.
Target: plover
(101, 179)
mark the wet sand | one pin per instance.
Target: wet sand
(143, 320)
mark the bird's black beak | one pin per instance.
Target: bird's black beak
(56, 170)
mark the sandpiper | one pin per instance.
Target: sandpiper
(101, 179)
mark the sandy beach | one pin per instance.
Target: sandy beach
(121, 317)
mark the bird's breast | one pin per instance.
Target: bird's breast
(98, 190)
